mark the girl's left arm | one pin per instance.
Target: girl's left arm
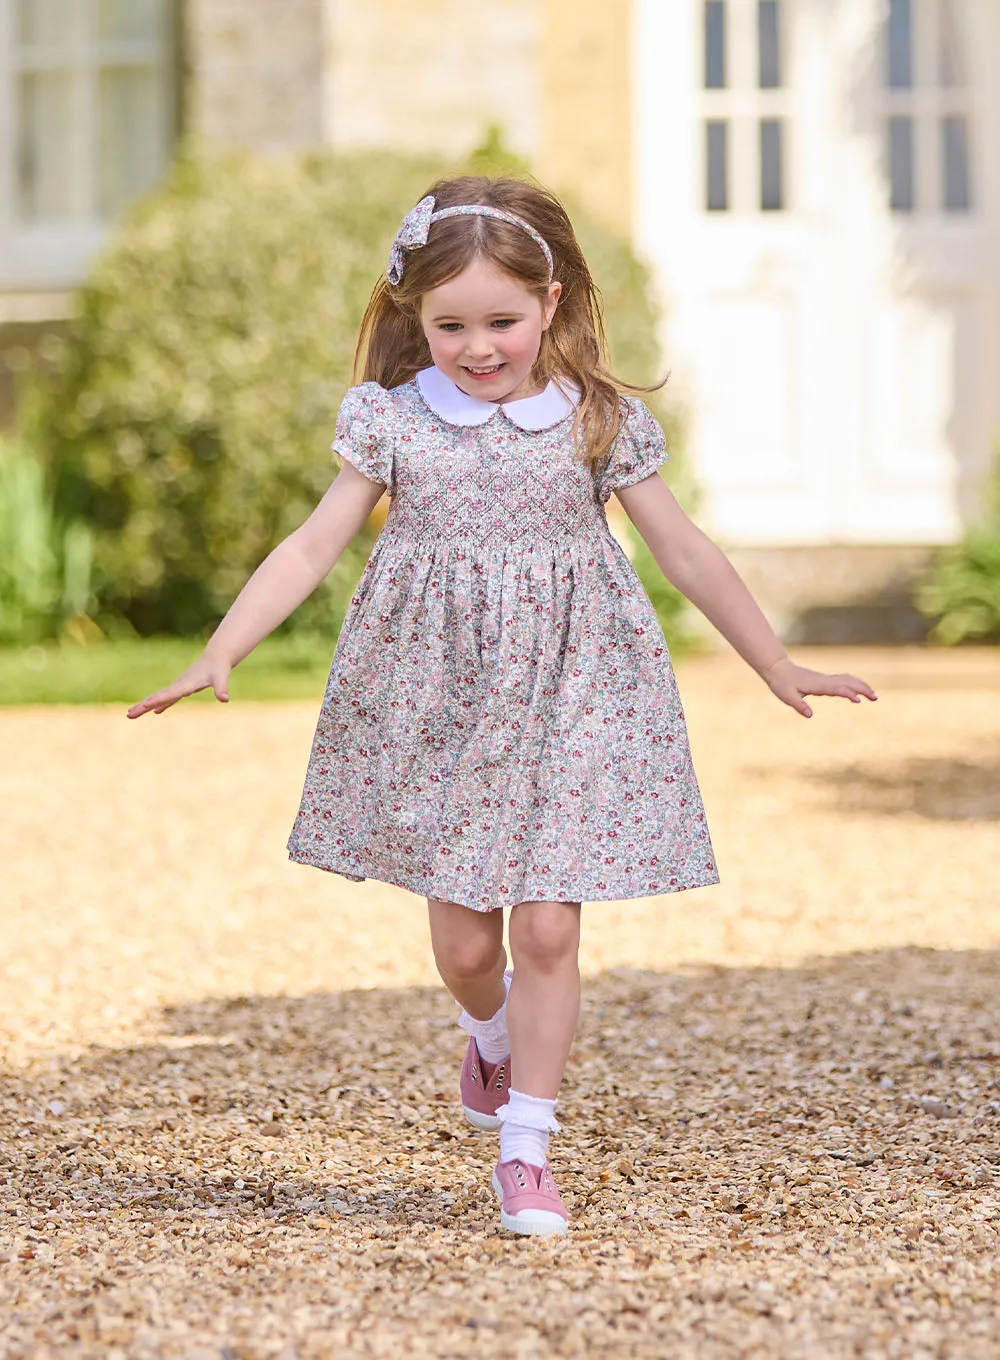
(691, 561)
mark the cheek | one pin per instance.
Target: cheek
(523, 344)
(442, 345)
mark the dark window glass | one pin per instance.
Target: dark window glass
(901, 188)
(771, 188)
(950, 56)
(768, 45)
(715, 45)
(899, 45)
(717, 178)
(955, 157)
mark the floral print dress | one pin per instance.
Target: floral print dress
(501, 722)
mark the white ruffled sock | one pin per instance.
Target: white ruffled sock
(490, 1035)
(525, 1124)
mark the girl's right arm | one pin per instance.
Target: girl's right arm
(279, 585)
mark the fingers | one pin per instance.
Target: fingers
(156, 703)
(791, 685)
(794, 697)
(824, 686)
(198, 677)
(842, 687)
(166, 698)
(860, 687)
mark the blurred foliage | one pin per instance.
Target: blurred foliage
(963, 589)
(45, 562)
(191, 405)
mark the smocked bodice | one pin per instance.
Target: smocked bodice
(480, 477)
(493, 484)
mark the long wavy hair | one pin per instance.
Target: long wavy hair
(392, 346)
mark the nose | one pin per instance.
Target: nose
(479, 346)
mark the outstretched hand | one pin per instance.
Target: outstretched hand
(207, 672)
(791, 683)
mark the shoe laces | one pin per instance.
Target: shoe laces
(498, 1075)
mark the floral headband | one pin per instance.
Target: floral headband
(417, 223)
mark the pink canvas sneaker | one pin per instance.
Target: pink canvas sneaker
(484, 1088)
(529, 1200)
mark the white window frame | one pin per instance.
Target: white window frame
(926, 103)
(36, 256)
(743, 105)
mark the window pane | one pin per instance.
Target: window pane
(715, 45)
(44, 22)
(130, 20)
(44, 170)
(716, 189)
(771, 189)
(951, 66)
(901, 187)
(767, 42)
(899, 36)
(132, 149)
(955, 157)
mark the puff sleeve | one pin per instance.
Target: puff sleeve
(365, 434)
(640, 449)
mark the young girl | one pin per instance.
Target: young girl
(501, 727)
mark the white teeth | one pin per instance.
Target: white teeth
(492, 369)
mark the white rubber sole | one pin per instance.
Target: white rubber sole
(485, 1123)
(529, 1222)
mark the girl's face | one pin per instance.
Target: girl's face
(484, 328)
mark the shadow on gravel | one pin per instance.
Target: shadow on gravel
(943, 790)
(686, 1093)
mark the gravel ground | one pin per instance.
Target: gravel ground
(228, 1082)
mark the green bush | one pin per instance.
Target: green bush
(963, 589)
(44, 563)
(191, 408)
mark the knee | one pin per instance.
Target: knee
(544, 935)
(464, 954)
(466, 960)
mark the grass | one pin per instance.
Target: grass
(122, 672)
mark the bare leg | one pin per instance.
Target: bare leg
(469, 953)
(544, 1002)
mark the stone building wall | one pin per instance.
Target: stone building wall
(553, 74)
(586, 81)
(254, 72)
(433, 76)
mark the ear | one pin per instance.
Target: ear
(550, 304)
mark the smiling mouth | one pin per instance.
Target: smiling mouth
(483, 372)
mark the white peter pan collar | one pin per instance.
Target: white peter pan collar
(447, 400)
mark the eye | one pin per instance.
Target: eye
(450, 326)
(505, 323)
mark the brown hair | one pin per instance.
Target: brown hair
(392, 346)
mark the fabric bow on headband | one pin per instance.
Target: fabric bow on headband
(413, 232)
(416, 226)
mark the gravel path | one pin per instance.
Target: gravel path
(228, 1082)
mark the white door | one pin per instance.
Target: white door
(926, 369)
(831, 350)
